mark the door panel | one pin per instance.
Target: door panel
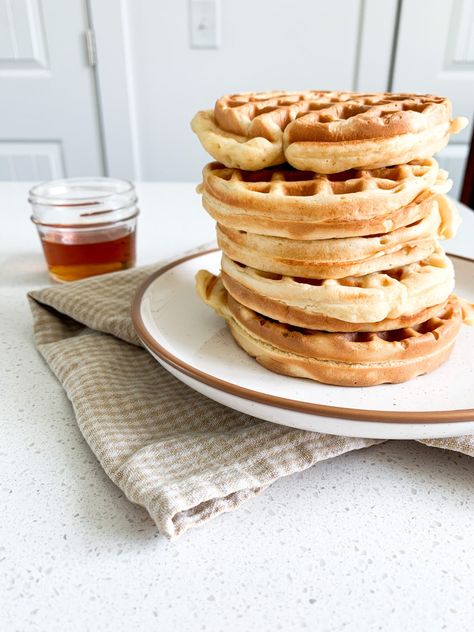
(22, 37)
(461, 37)
(48, 108)
(30, 161)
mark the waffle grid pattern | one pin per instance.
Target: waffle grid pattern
(289, 182)
(235, 113)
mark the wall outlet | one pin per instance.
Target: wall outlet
(204, 20)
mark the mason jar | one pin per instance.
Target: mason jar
(87, 226)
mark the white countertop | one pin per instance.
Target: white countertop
(380, 539)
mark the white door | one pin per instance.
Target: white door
(435, 54)
(49, 123)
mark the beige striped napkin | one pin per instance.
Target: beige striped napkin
(180, 455)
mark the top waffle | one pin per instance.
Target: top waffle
(326, 132)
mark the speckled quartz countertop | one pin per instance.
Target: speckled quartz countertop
(380, 539)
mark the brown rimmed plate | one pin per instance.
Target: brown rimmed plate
(191, 342)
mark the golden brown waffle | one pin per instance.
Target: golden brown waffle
(284, 202)
(337, 258)
(327, 132)
(375, 302)
(346, 359)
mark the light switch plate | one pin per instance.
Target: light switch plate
(204, 21)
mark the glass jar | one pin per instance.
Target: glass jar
(87, 226)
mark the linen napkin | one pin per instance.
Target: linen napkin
(183, 457)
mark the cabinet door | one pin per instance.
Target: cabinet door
(48, 107)
(435, 54)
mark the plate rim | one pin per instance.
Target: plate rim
(321, 410)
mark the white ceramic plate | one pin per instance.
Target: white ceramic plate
(193, 344)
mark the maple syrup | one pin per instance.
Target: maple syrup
(86, 226)
(70, 257)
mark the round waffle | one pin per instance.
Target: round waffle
(337, 258)
(346, 359)
(327, 132)
(284, 202)
(375, 302)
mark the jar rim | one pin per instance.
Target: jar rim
(88, 226)
(60, 192)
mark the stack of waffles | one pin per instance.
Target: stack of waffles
(329, 208)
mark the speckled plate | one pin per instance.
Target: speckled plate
(193, 344)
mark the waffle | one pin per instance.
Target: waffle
(350, 359)
(327, 132)
(377, 301)
(337, 258)
(284, 202)
(345, 359)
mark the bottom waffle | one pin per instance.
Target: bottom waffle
(345, 359)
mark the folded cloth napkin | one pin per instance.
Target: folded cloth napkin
(180, 455)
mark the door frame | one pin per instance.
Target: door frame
(115, 91)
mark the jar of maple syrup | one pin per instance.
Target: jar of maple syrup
(87, 226)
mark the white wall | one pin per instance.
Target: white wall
(266, 44)
(151, 82)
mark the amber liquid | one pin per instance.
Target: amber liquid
(74, 256)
